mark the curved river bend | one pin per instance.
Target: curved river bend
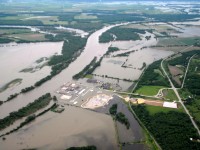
(93, 48)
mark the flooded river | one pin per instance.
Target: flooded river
(75, 126)
(92, 49)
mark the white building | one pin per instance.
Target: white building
(170, 104)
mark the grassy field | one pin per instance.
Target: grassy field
(156, 109)
(89, 76)
(85, 16)
(170, 95)
(28, 37)
(178, 41)
(5, 31)
(49, 20)
(149, 90)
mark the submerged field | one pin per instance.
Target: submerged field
(119, 46)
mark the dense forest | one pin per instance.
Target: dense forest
(172, 130)
(183, 60)
(121, 34)
(153, 77)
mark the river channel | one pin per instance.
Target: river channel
(93, 48)
(76, 126)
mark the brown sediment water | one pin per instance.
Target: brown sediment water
(73, 127)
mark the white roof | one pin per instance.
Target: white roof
(170, 104)
(65, 97)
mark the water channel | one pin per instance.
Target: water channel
(75, 125)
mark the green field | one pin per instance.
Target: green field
(85, 16)
(5, 31)
(157, 109)
(89, 76)
(28, 37)
(178, 41)
(170, 95)
(49, 20)
(149, 90)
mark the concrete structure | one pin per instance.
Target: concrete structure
(170, 104)
(96, 101)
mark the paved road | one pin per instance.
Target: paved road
(179, 98)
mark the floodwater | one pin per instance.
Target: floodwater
(92, 49)
(187, 29)
(135, 132)
(112, 66)
(15, 57)
(77, 31)
(73, 127)
(33, 29)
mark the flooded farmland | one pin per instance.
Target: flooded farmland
(76, 126)
(16, 57)
(73, 127)
(93, 48)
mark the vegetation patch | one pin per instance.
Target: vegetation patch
(119, 116)
(172, 129)
(121, 34)
(191, 91)
(149, 90)
(156, 109)
(31, 37)
(31, 108)
(176, 74)
(152, 77)
(85, 17)
(11, 84)
(179, 41)
(111, 50)
(88, 70)
(169, 95)
(182, 60)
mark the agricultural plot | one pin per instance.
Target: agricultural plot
(28, 37)
(178, 41)
(85, 17)
(176, 73)
(7, 31)
(169, 95)
(48, 20)
(149, 90)
(156, 109)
